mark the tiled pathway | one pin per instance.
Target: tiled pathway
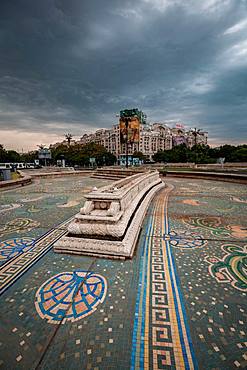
(161, 335)
(180, 303)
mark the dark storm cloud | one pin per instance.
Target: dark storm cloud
(75, 64)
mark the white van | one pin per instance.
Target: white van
(3, 166)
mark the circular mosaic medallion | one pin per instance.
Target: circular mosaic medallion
(70, 296)
(184, 239)
(12, 247)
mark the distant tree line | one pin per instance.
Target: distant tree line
(9, 156)
(202, 154)
(80, 155)
(73, 155)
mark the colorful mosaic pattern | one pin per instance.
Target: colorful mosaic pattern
(9, 207)
(212, 224)
(13, 247)
(143, 322)
(184, 239)
(161, 337)
(232, 268)
(33, 209)
(18, 225)
(11, 272)
(70, 296)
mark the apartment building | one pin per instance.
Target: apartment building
(153, 137)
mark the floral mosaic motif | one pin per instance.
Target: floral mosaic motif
(232, 268)
(18, 225)
(184, 239)
(70, 296)
(212, 224)
(13, 247)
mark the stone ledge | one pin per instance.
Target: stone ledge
(114, 226)
(108, 248)
(61, 174)
(217, 176)
(13, 183)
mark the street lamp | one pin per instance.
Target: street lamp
(195, 132)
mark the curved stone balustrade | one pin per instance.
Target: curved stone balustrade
(107, 211)
(111, 217)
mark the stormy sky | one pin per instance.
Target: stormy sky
(71, 65)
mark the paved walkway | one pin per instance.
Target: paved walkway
(180, 303)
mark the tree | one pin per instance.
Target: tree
(29, 157)
(139, 155)
(180, 153)
(161, 156)
(80, 155)
(200, 154)
(195, 132)
(3, 154)
(68, 137)
(13, 156)
(240, 154)
(9, 156)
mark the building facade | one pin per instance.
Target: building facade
(153, 138)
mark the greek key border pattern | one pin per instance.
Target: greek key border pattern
(15, 268)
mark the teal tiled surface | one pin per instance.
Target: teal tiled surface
(215, 309)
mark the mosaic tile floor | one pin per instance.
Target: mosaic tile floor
(180, 303)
